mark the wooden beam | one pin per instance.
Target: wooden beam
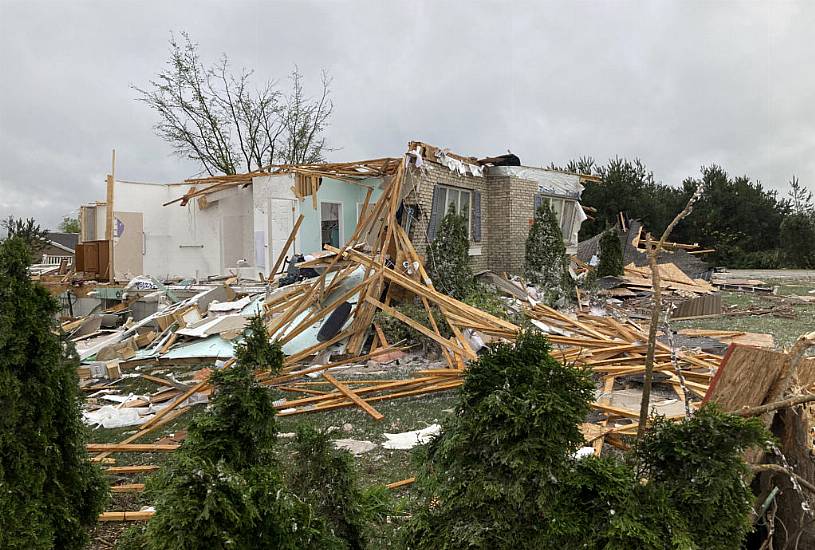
(109, 225)
(401, 483)
(289, 241)
(130, 447)
(361, 403)
(140, 469)
(127, 488)
(126, 516)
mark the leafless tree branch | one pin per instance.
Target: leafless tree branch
(215, 117)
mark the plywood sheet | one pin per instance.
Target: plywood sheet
(745, 377)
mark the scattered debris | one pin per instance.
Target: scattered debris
(408, 440)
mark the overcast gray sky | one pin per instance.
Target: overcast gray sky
(679, 84)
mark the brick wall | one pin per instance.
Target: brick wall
(511, 207)
(507, 210)
(421, 194)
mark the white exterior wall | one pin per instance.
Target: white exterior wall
(186, 241)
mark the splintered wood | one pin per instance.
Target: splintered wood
(613, 348)
(381, 256)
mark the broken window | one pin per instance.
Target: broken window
(330, 223)
(567, 219)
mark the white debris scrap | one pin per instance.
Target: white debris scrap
(583, 452)
(356, 446)
(114, 417)
(408, 440)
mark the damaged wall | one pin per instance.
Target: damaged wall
(177, 241)
(276, 208)
(506, 198)
(423, 182)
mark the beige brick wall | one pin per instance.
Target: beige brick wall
(507, 210)
(511, 209)
(421, 194)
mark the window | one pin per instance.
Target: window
(567, 219)
(564, 210)
(464, 202)
(557, 208)
(458, 200)
(330, 223)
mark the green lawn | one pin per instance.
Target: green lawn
(785, 331)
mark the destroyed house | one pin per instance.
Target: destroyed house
(497, 196)
(243, 224)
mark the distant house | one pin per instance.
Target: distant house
(59, 247)
(227, 224)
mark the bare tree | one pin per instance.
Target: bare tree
(210, 115)
(653, 248)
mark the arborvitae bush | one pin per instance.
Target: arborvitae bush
(545, 263)
(449, 257)
(699, 463)
(611, 255)
(49, 490)
(223, 487)
(325, 477)
(487, 479)
(256, 350)
(502, 474)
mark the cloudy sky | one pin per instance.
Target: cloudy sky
(679, 84)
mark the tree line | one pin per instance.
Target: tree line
(748, 225)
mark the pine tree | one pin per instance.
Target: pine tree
(325, 477)
(611, 255)
(502, 474)
(223, 488)
(49, 490)
(798, 240)
(257, 351)
(699, 463)
(545, 262)
(486, 480)
(449, 257)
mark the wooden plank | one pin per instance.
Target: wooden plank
(130, 447)
(376, 415)
(401, 483)
(381, 335)
(127, 488)
(289, 241)
(109, 225)
(138, 469)
(126, 516)
(421, 328)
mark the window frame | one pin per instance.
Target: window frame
(460, 191)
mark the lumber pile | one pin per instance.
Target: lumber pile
(672, 280)
(377, 266)
(614, 349)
